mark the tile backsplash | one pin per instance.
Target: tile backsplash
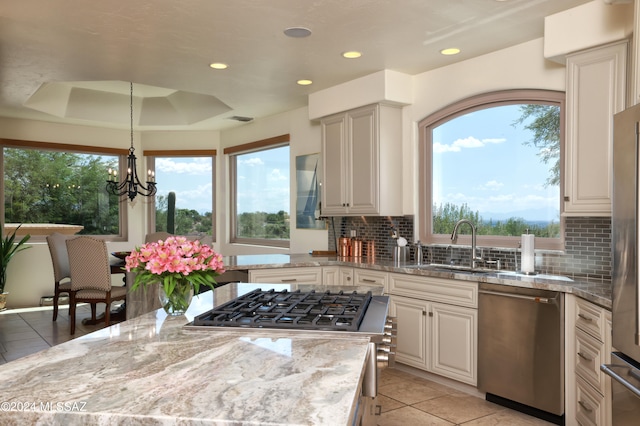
(587, 252)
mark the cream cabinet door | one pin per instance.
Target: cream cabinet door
(334, 165)
(337, 275)
(454, 342)
(596, 86)
(311, 275)
(362, 162)
(412, 330)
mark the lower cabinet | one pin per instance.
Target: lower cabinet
(440, 338)
(337, 275)
(588, 332)
(303, 275)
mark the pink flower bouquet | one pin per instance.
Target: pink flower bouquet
(172, 262)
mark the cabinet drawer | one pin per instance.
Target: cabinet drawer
(590, 318)
(589, 405)
(589, 356)
(368, 277)
(311, 275)
(459, 293)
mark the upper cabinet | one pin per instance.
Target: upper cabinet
(362, 159)
(596, 86)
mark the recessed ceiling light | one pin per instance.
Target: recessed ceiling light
(297, 32)
(218, 66)
(305, 82)
(352, 54)
(450, 51)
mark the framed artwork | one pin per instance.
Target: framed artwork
(308, 192)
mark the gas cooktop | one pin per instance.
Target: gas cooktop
(330, 311)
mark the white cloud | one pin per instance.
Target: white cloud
(492, 185)
(254, 161)
(195, 167)
(469, 142)
(277, 175)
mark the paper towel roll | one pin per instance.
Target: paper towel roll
(528, 257)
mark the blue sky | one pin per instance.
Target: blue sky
(489, 168)
(189, 178)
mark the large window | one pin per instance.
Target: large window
(47, 184)
(186, 192)
(495, 160)
(260, 180)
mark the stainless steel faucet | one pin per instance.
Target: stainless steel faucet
(454, 236)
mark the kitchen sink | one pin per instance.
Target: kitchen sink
(455, 268)
(506, 274)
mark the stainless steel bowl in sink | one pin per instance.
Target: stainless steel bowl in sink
(458, 268)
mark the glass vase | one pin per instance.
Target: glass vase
(179, 300)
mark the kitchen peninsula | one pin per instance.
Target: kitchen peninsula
(151, 370)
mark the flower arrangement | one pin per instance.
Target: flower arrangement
(175, 263)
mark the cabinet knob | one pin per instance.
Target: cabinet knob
(566, 198)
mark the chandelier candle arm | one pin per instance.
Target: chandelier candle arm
(131, 186)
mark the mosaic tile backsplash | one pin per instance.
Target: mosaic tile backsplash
(587, 251)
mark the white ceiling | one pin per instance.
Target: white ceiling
(165, 46)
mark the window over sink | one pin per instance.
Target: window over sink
(497, 160)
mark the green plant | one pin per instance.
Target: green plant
(8, 249)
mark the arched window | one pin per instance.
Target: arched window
(497, 160)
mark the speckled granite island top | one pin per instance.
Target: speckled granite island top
(596, 291)
(151, 371)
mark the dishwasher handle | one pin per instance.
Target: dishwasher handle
(536, 299)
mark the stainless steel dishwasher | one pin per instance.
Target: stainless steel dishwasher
(521, 349)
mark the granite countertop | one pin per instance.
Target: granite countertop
(150, 370)
(595, 291)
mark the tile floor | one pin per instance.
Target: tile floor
(406, 398)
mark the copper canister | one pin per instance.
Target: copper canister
(356, 248)
(344, 247)
(370, 249)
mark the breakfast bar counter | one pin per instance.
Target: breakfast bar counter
(150, 370)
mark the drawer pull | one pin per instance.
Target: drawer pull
(584, 317)
(290, 280)
(367, 280)
(585, 407)
(583, 356)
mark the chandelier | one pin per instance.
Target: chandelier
(131, 186)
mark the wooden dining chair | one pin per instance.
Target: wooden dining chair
(91, 277)
(61, 274)
(155, 236)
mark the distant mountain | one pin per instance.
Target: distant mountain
(535, 216)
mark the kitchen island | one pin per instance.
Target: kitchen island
(150, 370)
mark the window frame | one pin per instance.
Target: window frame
(232, 153)
(425, 159)
(151, 158)
(76, 149)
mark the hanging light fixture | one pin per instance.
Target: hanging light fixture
(131, 186)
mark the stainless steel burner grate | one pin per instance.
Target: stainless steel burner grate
(338, 311)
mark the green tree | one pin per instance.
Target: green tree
(59, 187)
(546, 135)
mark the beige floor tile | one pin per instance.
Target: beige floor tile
(507, 418)
(389, 404)
(458, 408)
(409, 416)
(409, 392)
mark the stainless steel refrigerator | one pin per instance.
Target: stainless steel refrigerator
(625, 360)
